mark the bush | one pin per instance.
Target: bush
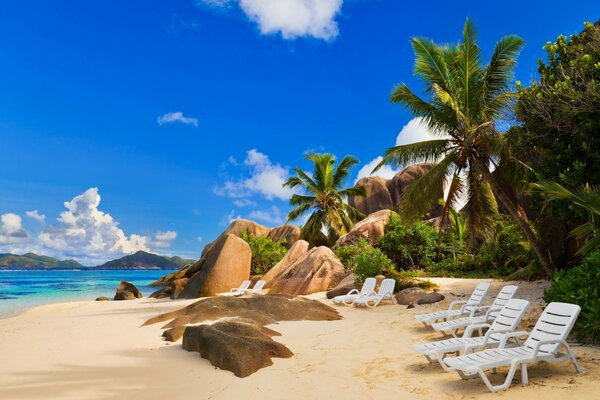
(265, 253)
(371, 262)
(580, 285)
(409, 247)
(349, 252)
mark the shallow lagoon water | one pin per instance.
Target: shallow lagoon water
(21, 289)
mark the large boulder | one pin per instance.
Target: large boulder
(286, 234)
(127, 291)
(385, 194)
(237, 346)
(237, 228)
(416, 295)
(342, 288)
(316, 271)
(377, 198)
(298, 250)
(371, 228)
(223, 267)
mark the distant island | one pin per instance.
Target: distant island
(138, 260)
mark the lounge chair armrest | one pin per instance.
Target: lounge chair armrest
(353, 291)
(476, 308)
(491, 310)
(511, 335)
(486, 338)
(234, 290)
(455, 303)
(539, 344)
(471, 328)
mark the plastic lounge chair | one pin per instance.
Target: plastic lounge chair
(543, 344)
(452, 325)
(372, 300)
(467, 306)
(347, 299)
(237, 291)
(507, 321)
(258, 287)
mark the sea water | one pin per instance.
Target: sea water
(21, 289)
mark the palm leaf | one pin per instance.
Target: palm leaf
(407, 154)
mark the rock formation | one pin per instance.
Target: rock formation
(416, 295)
(385, 194)
(371, 228)
(342, 288)
(316, 271)
(285, 234)
(237, 346)
(127, 291)
(298, 250)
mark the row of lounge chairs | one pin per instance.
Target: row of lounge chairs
(245, 289)
(500, 346)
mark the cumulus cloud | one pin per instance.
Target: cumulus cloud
(270, 216)
(290, 18)
(35, 215)
(11, 230)
(87, 233)
(266, 179)
(177, 116)
(244, 203)
(386, 171)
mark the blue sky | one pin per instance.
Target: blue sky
(150, 125)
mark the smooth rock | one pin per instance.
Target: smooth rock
(342, 288)
(127, 291)
(102, 298)
(298, 250)
(416, 295)
(286, 234)
(371, 228)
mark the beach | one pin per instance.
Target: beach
(97, 350)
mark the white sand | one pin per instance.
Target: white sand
(96, 350)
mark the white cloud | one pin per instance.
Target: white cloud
(266, 179)
(244, 203)
(90, 235)
(36, 216)
(177, 116)
(11, 230)
(229, 218)
(271, 216)
(416, 131)
(200, 238)
(385, 171)
(290, 18)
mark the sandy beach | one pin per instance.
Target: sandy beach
(97, 350)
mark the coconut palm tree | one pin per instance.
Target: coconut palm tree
(324, 198)
(466, 99)
(585, 197)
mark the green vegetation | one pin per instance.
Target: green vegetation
(466, 99)
(580, 285)
(265, 253)
(347, 254)
(371, 262)
(31, 260)
(144, 260)
(325, 199)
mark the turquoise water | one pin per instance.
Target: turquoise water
(23, 289)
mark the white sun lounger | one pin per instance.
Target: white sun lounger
(347, 299)
(543, 343)
(506, 321)
(258, 287)
(237, 291)
(372, 300)
(452, 325)
(467, 306)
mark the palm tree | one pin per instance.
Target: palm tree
(325, 198)
(587, 198)
(466, 99)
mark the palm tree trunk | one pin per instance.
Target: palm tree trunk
(522, 222)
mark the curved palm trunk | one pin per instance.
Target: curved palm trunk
(522, 222)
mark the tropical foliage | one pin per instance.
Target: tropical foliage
(371, 262)
(466, 99)
(265, 253)
(325, 200)
(348, 253)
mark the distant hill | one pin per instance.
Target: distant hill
(31, 260)
(143, 260)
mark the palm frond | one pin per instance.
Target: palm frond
(429, 62)
(343, 169)
(407, 154)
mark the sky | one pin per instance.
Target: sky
(150, 125)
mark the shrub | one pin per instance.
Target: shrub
(580, 285)
(371, 262)
(349, 252)
(410, 247)
(265, 253)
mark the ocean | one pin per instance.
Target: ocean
(22, 289)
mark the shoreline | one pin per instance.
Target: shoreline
(97, 350)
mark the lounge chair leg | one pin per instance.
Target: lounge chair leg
(571, 355)
(494, 371)
(444, 366)
(466, 376)
(507, 381)
(524, 376)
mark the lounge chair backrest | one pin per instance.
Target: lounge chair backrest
(479, 293)
(387, 286)
(245, 285)
(555, 323)
(368, 286)
(510, 316)
(506, 293)
(259, 285)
